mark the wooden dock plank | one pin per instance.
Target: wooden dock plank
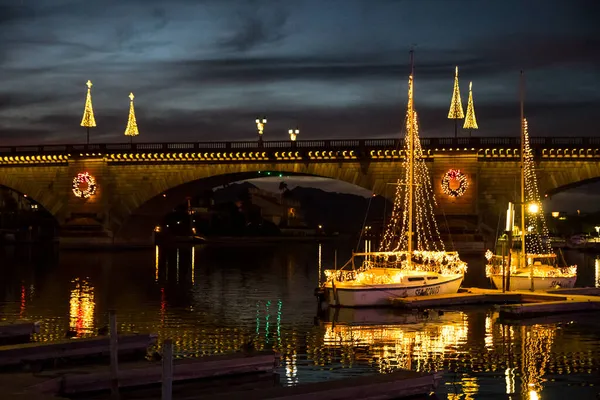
(183, 370)
(38, 351)
(454, 299)
(547, 308)
(395, 385)
(18, 328)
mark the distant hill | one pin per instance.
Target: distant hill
(232, 192)
(340, 212)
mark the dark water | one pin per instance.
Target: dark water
(211, 300)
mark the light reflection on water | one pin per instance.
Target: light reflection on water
(213, 300)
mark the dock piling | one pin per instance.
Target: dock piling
(167, 370)
(114, 355)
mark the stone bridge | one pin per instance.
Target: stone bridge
(138, 183)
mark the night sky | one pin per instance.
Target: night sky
(205, 69)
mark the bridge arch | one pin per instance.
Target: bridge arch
(134, 215)
(42, 195)
(556, 176)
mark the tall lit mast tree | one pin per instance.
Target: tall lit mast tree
(470, 120)
(88, 119)
(132, 128)
(456, 110)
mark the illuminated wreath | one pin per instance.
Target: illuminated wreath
(454, 175)
(84, 185)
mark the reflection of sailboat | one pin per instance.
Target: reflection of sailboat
(420, 345)
(401, 267)
(536, 265)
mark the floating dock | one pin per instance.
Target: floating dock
(82, 381)
(396, 385)
(38, 352)
(18, 330)
(529, 304)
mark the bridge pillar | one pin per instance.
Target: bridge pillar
(465, 205)
(86, 221)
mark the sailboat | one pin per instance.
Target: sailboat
(535, 266)
(411, 260)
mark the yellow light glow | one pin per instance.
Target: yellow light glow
(470, 120)
(88, 119)
(260, 125)
(132, 128)
(81, 307)
(293, 134)
(456, 110)
(533, 208)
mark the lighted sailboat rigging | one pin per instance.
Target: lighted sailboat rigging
(535, 265)
(412, 260)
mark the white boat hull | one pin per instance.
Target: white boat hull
(523, 282)
(379, 295)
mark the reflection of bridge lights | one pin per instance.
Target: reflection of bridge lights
(156, 264)
(81, 307)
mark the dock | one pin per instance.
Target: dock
(19, 329)
(514, 304)
(140, 375)
(145, 374)
(396, 385)
(36, 352)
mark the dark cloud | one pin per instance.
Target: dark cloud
(256, 27)
(205, 69)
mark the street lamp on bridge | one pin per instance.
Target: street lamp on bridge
(294, 134)
(260, 125)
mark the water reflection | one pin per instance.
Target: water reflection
(597, 271)
(412, 345)
(213, 300)
(81, 307)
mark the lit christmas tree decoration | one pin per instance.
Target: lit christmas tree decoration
(132, 128)
(88, 121)
(456, 110)
(470, 120)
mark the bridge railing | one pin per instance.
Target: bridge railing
(326, 144)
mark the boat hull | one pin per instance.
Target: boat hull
(379, 295)
(523, 282)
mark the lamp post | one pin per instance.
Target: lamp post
(510, 222)
(532, 208)
(597, 228)
(260, 125)
(294, 134)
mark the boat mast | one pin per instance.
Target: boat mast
(411, 163)
(522, 96)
